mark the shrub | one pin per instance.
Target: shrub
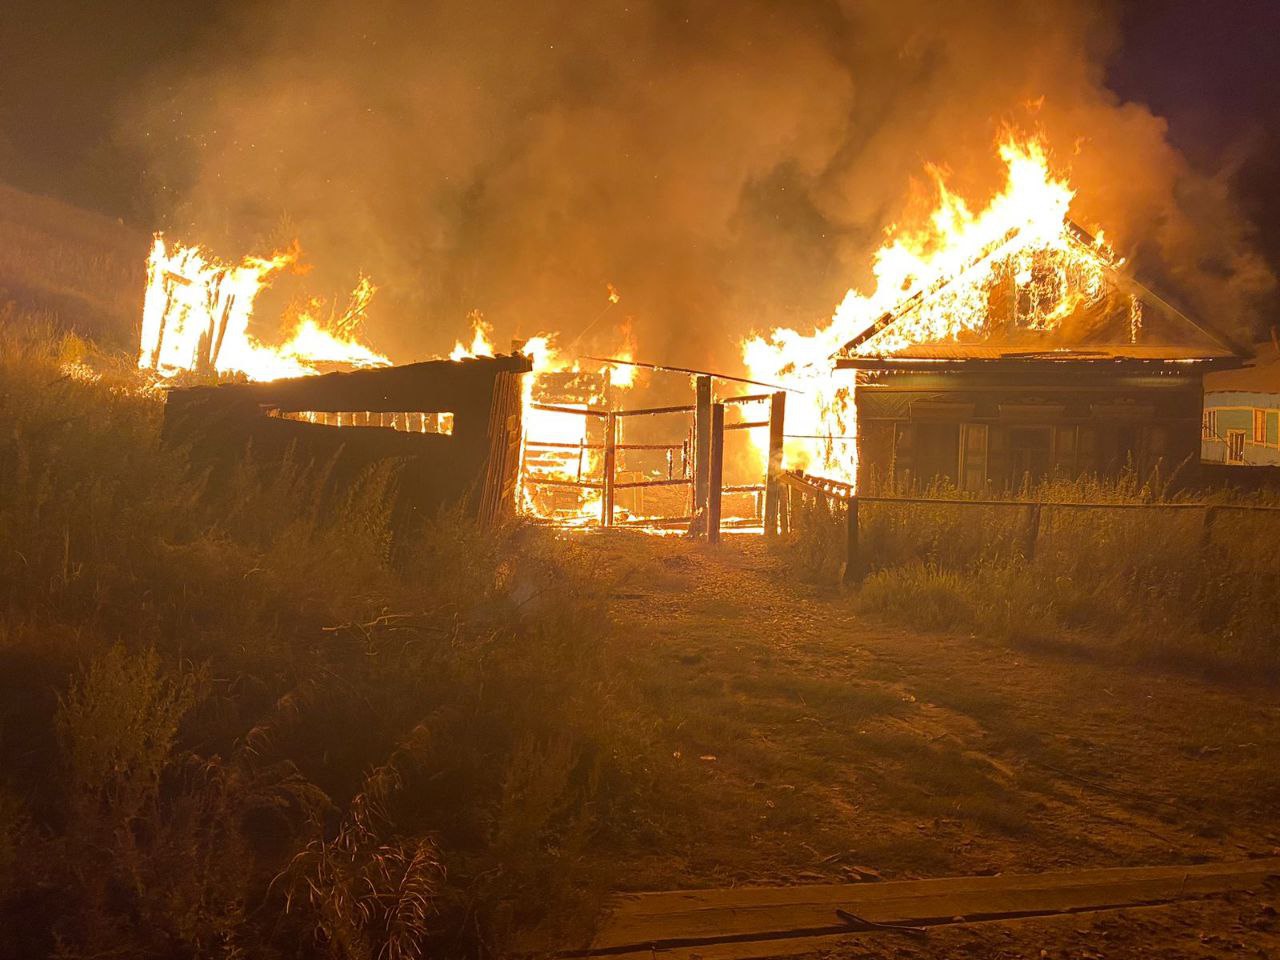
(233, 698)
(1145, 582)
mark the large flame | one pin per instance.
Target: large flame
(562, 445)
(935, 280)
(197, 311)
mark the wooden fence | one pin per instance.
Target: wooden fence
(703, 472)
(800, 486)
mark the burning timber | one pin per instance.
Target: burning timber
(454, 428)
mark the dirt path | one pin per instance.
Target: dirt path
(802, 742)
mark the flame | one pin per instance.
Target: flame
(936, 280)
(623, 374)
(481, 344)
(561, 445)
(197, 310)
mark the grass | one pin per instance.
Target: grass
(1144, 583)
(234, 722)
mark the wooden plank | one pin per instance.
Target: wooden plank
(701, 443)
(653, 411)
(693, 916)
(715, 472)
(819, 945)
(773, 489)
(610, 469)
(587, 412)
(636, 484)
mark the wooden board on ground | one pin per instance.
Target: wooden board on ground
(645, 921)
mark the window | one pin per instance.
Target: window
(1259, 426)
(1209, 425)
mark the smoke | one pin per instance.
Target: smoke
(728, 167)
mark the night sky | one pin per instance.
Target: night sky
(70, 74)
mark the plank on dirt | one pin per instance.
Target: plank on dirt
(707, 916)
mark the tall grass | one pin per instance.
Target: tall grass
(1146, 582)
(234, 722)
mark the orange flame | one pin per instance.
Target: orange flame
(944, 271)
(197, 310)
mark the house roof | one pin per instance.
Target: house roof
(1259, 375)
(1102, 327)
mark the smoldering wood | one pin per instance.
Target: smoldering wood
(475, 468)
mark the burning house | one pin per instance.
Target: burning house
(1052, 362)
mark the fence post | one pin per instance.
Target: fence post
(1032, 532)
(610, 463)
(715, 472)
(853, 568)
(784, 509)
(1206, 532)
(772, 486)
(701, 443)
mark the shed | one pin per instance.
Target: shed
(454, 427)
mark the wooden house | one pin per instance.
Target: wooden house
(1115, 382)
(1241, 420)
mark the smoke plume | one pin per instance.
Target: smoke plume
(728, 167)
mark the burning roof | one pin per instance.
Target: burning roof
(1058, 296)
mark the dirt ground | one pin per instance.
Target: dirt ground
(801, 743)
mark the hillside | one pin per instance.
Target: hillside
(71, 268)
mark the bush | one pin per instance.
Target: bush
(236, 721)
(1142, 582)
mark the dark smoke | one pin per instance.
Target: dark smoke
(728, 166)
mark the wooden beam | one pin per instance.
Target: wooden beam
(610, 467)
(772, 488)
(587, 412)
(691, 370)
(768, 916)
(701, 443)
(651, 411)
(715, 474)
